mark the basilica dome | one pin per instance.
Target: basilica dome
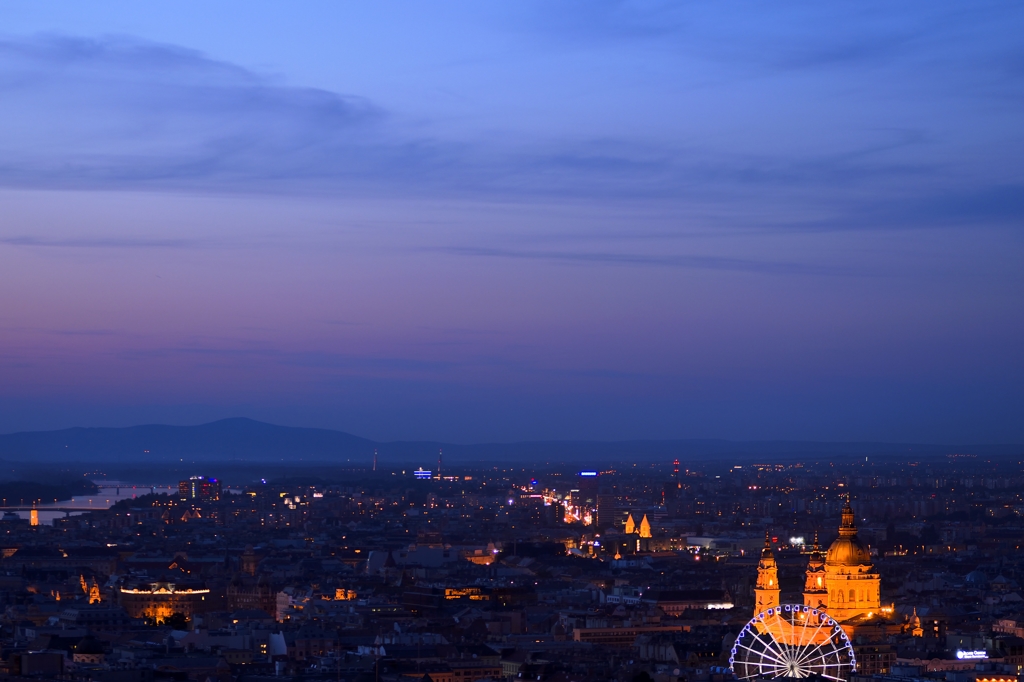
(848, 551)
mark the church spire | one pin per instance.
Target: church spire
(915, 625)
(815, 590)
(816, 560)
(767, 555)
(847, 527)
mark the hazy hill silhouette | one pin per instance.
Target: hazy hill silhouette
(227, 439)
(243, 439)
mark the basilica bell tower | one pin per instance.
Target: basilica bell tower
(766, 590)
(815, 589)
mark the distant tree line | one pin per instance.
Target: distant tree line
(147, 500)
(14, 493)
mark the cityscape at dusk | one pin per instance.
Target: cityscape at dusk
(622, 340)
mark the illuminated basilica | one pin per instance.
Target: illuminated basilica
(843, 582)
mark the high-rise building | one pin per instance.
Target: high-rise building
(199, 489)
(585, 494)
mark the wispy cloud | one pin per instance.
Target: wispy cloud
(785, 36)
(249, 354)
(157, 116)
(699, 262)
(146, 113)
(151, 116)
(101, 243)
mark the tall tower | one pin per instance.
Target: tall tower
(249, 561)
(375, 459)
(815, 592)
(670, 491)
(766, 590)
(439, 463)
(851, 580)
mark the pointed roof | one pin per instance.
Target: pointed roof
(645, 527)
(847, 527)
(630, 525)
(767, 555)
(817, 560)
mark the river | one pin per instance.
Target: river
(109, 493)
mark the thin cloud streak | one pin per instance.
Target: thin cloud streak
(669, 261)
(103, 243)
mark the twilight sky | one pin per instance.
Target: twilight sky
(524, 220)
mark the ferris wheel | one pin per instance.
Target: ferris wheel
(792, 640)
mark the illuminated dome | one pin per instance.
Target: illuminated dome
(848, 550)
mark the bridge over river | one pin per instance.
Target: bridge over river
(104, 498)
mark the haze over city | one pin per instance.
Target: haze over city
(522, 221)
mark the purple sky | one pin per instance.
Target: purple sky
(527, 220)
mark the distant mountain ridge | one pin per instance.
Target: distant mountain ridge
(226, 439)
(241, 439)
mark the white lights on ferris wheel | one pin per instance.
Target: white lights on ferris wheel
(792, 640)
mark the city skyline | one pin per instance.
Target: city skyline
(503, 223)
(860, 571)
